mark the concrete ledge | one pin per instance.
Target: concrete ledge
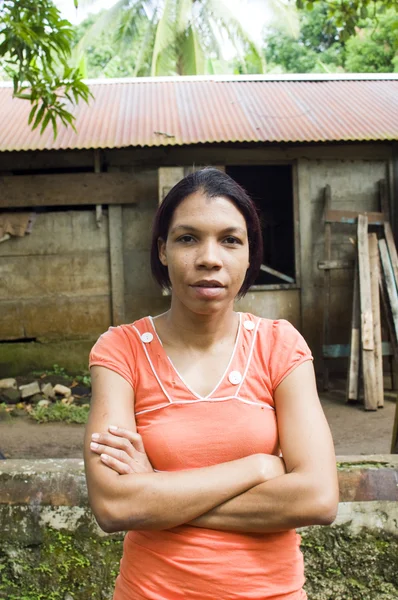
(37, 493)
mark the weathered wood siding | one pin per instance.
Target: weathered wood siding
(55, 280)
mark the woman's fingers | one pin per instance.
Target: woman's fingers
(124, 446)
(120, 455)
(117, 465)
(132, 436)
(113, 441)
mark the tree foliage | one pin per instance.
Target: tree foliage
(346, 14)
(179, 37)
(320, 47)
(35, 44)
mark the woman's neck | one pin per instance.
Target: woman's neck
(195, 330)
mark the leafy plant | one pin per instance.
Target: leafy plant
(35, 45)
(60, 412)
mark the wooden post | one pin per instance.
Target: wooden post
(353, 366)
(365, 294)
(97, 169)
(116, 263)
(374, 283)
(326, 287)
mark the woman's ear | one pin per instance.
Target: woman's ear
(162, 252)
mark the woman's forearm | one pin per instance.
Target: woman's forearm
(286, 502)
(165, 500)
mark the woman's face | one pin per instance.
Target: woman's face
(206, 252)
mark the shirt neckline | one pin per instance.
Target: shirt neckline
(186, 385)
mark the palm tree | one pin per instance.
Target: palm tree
(180, 37)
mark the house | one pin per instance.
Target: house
(93, 193)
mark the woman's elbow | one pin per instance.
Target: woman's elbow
(111, 519)
(325, 508)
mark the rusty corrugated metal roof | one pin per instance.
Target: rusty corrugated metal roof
(179, 111)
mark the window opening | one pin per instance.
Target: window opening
(271, 188)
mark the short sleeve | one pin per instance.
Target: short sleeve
(289, 350)
(114, 349)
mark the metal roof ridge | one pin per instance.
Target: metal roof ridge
(288, 77)
(251, 77)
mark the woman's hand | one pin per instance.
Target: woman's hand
(121, 450)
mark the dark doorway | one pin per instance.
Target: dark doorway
(271, 188)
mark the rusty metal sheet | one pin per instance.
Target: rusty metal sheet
(172, 111)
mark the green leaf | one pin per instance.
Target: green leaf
(32, 113)
(39, 116)
(46, 121)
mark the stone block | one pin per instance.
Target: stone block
(6, 384)
(36, 399)
(10, 396)
(43, 403)
(62, 390)
(30, 389)
(48, 391)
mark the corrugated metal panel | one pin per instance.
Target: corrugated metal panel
(177, 112)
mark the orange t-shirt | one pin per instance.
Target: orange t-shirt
(182, 430)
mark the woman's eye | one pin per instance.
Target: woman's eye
(185, 239)
(232, 240)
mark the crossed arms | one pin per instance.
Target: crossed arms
(258, 493)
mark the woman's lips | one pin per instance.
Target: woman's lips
(207, 291)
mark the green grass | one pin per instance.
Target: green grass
(60, 412)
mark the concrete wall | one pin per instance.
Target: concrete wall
(56, 283)
(37, 493)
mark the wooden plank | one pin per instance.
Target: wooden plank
(364, 284)
(336, 264)
(392, 250)
(343, 350)
(71, 189)
(350, 217)
(365, 296)
(374, 283)
(326, 285)
(387, 312)
(392, 295)
(394, 441)
(116, 263)
(276, 273)
(353, 365)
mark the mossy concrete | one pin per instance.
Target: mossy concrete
(22, 357)
(51, 547)
(338, 565)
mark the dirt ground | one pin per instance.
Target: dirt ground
(354, 432)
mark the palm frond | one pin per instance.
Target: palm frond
(146, 47)
(164, 47)
(183, 16)
(191, 58)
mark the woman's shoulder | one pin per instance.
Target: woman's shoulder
(274, 329)
(123, 335)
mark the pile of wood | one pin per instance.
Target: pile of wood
(375, 300)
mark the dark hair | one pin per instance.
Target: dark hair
(213, 183)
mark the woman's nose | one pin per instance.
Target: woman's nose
(209, 255)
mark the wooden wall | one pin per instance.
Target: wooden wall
(57, 282)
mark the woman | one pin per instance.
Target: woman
(192, 412)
